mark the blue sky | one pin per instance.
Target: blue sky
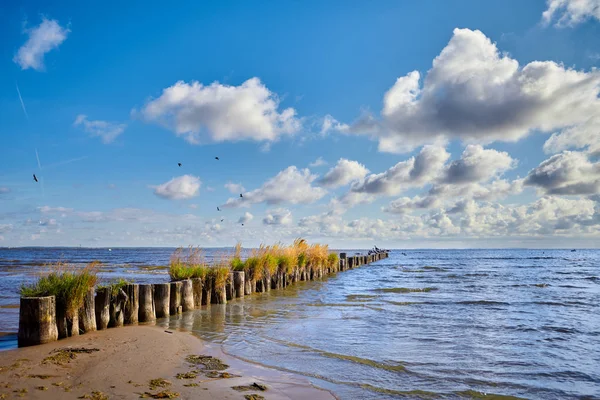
(483, 136)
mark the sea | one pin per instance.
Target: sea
(422, 324)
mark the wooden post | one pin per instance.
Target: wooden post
(187, 295)
(162, 299)
(248, 285)
(239, 283)
(207, 289)
(67, 323)
(266, 281)
(37, 321)
(147, 312)
(197, 289)
(219, 293)
(102, 306)
(229, 291)
(132, 306)
(87, 315)
(175, 300)
(117, 306)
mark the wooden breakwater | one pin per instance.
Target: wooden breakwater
(144, 303)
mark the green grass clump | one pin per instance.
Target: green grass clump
(253, 269)
(286, 262)
(302, 260)
(68, 284)
(185, 266)
(220, 274)
(333, 260)
(269, 263)
(115, 286)
(237, 264)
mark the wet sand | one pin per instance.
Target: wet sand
(120, 363)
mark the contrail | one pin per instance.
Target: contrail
(22, 103)
(56, 164)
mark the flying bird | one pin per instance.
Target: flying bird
(218, 209)
(241, 195)
(217, 158)
(179, 164)
(242, 224)
(35, 178)
(222, 219)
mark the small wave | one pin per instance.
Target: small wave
(592, 278)
(405, 290)
(559, 329)
(483, 302)
(474, 394)
(549, 303)
(360, 297)
(403, 303)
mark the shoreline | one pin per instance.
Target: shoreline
(123, 361)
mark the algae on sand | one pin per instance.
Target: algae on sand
(209, 362)
(246, 388)
(165, 394)
(158, 383)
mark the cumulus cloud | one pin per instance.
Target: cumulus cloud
(477, 164)
(235, 188)
(332, 124)
(4, 190)
(180, 188)
(278, 216)
(477, 94)
(106, 131)
(319, 162)
(583, 136)
(48, 35)
(218, 113)
(344, 172)
(567, 173)
(416, 171)
(571, 12)
(247, 217)
(292, 185)
(48, 209)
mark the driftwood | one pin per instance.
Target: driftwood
(37, 321)
(162, 299)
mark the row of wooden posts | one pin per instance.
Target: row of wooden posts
(41, 321)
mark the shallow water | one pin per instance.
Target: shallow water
(431, 324)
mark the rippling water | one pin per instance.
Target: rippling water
(428, 324)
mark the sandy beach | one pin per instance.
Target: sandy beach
(141, 362)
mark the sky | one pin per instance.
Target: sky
(429, 124)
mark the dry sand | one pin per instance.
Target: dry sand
(127, 359)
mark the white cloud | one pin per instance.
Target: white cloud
(106, 131)
(478, 165)
(289, 186)
(247, 217)
(235, 188)
(180, 188)
(571, 12)
(344, 172)
(4, 228)
(48, 209)
(567, 173)
(583, 136)
(319, 162)
(4, 190)
(477, 94)
(218, 113)
(42, 39)
(414, 172)
(332, 124)
(278, 216)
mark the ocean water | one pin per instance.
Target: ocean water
(420, 324)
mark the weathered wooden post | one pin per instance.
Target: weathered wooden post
(37, 321)
(162, 299)
(132, 306)
(266, 281)
(219, 293)
(207, 289)
(67, 321)
(117, 306)
(187, 295)
(175, 300)
(229, 290)
(249, 284)
(197, 289)
(239, 283)
(102, 306)
(147, 312)
(87, 314)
